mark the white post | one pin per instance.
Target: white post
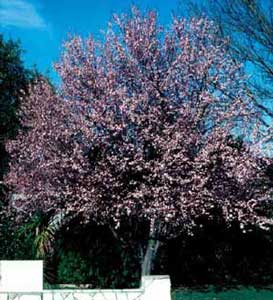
(156, 287)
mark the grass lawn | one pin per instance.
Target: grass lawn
(242, 293)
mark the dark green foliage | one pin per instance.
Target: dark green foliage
(92, 255)
(14, 78)
(18, 242)
(215, 256)
(220, 257)
(72, 268)
(104, 261)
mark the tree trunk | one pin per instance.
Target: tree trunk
(150, 254)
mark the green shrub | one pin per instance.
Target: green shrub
(72, 268)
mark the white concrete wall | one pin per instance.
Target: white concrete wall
(23, 280)
(21, 276)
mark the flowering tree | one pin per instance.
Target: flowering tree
(142, 129)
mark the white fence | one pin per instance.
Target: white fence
(23, 280)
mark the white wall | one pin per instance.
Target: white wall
(25, 278)
(21, 276)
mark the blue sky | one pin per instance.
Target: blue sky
(42, 25)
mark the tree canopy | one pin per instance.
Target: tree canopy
(14, 78)
(142, 129)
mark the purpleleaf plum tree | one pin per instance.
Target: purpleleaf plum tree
(141, 129)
